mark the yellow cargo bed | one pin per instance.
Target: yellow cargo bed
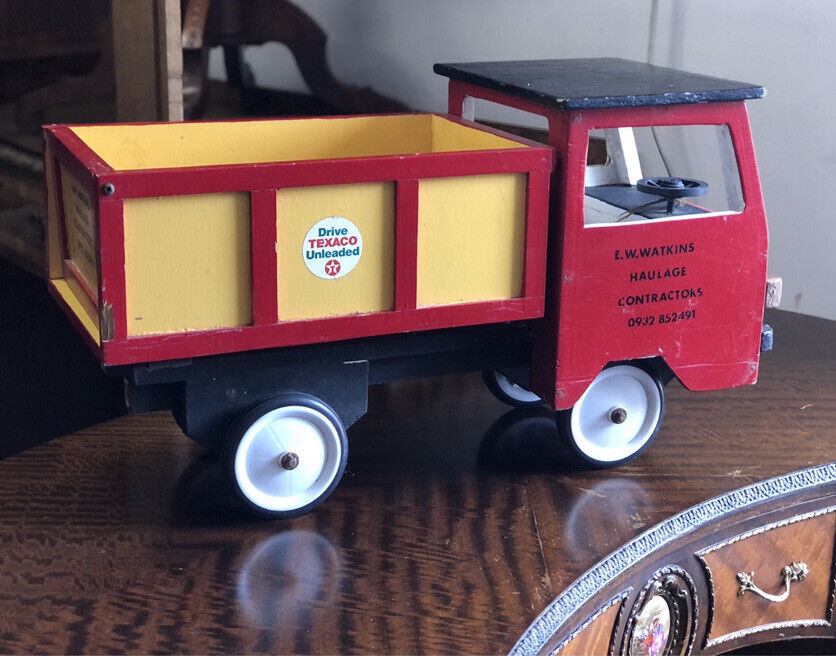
(278, 232)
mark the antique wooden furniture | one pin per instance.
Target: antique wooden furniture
(456, 526)
(747, 566)
(84, 61)
(137, 74)
(235, 24)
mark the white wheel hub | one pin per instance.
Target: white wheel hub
(515, 391)
(288, 458)
(617, 414)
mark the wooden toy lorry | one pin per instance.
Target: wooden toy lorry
(255, 277)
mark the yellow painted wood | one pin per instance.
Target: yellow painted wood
(90, 308)
(450, 136)
(471, 234)
(80, 225)
(83, 311)
(187, 262)
(219, 143)
(370, 285)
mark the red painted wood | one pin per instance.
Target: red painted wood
(211, 342)
(112, 263)
(583, 328)
(88, 158)
(455, 98)
(458, 91)
(544, 349)
(265, 268)
(536, 232)
(67, 159)
(406, 245)
(725, 268)
(257, 176)
(234, 120)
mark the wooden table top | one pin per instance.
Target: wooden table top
(454, 527)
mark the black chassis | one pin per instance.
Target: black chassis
(207, 394)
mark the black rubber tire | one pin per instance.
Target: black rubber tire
(237, 431)
(579, 458)
(489, 377)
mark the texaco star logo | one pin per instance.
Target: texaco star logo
(332, 267)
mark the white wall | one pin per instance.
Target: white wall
(786, 45)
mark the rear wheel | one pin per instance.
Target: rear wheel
(616, 418)
(508, 391)
(286, 456)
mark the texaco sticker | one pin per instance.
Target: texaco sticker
(332, 247)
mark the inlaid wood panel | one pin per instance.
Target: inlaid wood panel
(764, 552)
(594, 637)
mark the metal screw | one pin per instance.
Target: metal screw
(108, 189)
(618, 415)
(289, 461)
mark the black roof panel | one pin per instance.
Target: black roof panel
(598, 82)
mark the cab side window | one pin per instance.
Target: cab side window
(648, 174)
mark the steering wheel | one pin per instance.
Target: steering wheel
(671, 188)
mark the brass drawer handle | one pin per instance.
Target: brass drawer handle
(790, 573)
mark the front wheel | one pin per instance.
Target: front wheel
(509, 392)
(286, 456)
(616, 418)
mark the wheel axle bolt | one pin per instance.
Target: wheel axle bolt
(618, 415)
(289, 461)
